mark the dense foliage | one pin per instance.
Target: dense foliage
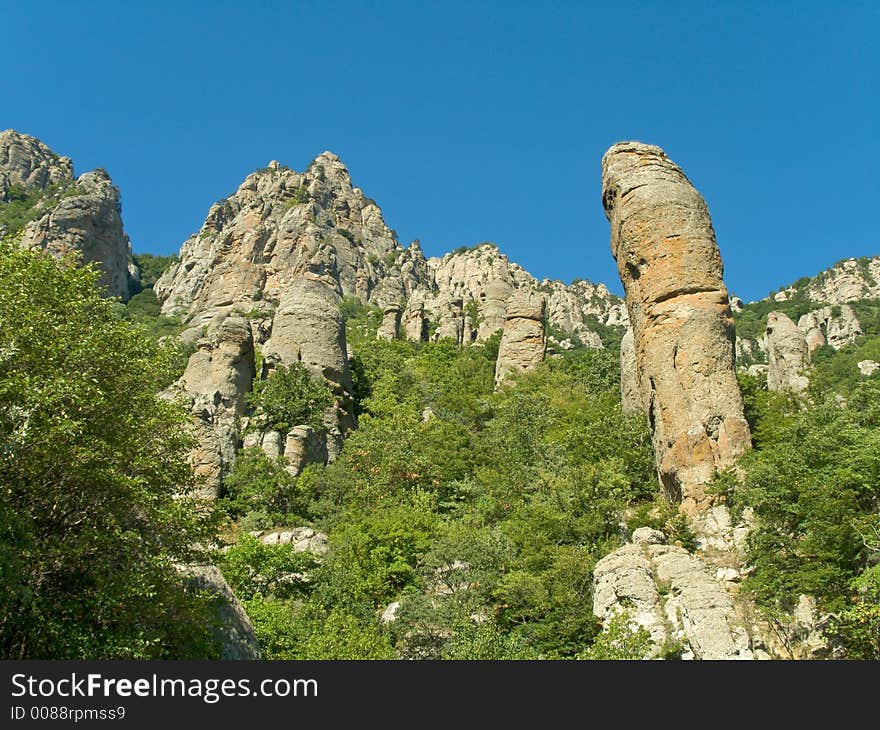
(480, 513)
(813, 483)
(290, 396)
(94, 506)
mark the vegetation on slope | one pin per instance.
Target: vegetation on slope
(94, 511)
(480, 514)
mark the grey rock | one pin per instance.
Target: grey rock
(630, 396)
(236, 633)
(218, 375)
(303, 539)
(308, 328)
(867, 367)
(390, 324)
(672, 594)
(788, 354)
(304, 446)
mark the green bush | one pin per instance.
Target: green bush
(96, 503)
(291, 396)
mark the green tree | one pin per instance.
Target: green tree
(95, 505)
(290, 396)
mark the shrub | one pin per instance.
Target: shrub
(291, 396)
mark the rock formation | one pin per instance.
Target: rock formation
(847, 281)
(308, 328)
(673, 595)
(28, 163)
(235, 632)
(630, 396)
(664, 245)
(867, 367)
(788, 354)
(213, 387)
(832, 325)
(414, 323)
(81, 217)
(390, 324)
(280, 224)
(523, 341)
(87, 222)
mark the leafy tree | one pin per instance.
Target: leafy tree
(260, 485)
(291, 396)
(95, 505)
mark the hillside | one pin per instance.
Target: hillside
(299, 439)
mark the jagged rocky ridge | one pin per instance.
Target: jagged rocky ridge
(284, 250)
(80, 216)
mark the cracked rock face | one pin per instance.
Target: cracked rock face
(80, 217)
(523, 341)
(670, 266)
(788, 354)
(309, 328)
(673, 595)
(217, 378)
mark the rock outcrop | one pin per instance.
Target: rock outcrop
(308, 328)
(28, 163)
(847, 281)
(832, 325)
(217, 377)
(88, 222)
(287, 246)
(670, 266)
(280, 224)
(673, 595)
(630, 396)
(235, 632)
(81, 217)
(788, 354)
(390, 325)
(867, 367)
(523, 340)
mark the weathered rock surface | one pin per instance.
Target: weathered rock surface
(88, 223)
(304, 445)
(81, 217)
(664, 245)
(308, 328)
(673, 595)
(788, 354)
(27, 162)
(832, 325)
(630, 396)
(847, 281)
(523, 341)
(280, 224)
(303, 539)
(235, 630)
(867, 367)
(390, 324)
(217, 377)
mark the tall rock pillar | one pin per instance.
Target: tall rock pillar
(523, 340)
(670, 266)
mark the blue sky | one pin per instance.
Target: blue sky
(472, 121)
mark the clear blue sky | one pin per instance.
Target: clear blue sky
(472, 121)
